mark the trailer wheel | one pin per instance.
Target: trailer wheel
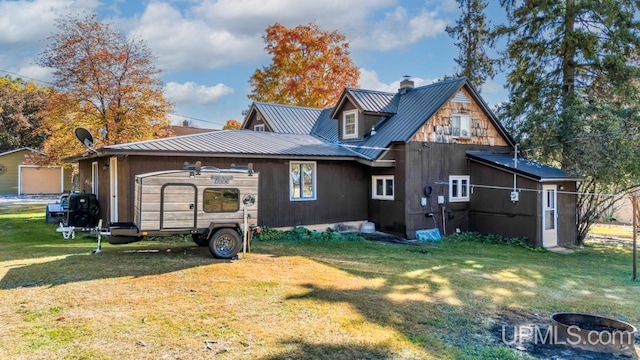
(200, 239)
(225, 243)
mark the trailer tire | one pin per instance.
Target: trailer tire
(225, 243)
(200, 239)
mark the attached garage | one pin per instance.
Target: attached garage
(40, 180)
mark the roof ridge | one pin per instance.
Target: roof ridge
(289, 106)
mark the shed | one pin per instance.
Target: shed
(516, 197)
(17, 177)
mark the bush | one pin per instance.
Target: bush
(491, 239)
(300, 233)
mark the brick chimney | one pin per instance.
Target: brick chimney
(405, 85)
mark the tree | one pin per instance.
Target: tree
(473, 34)
(21, 111)
(309, 67)
(232, 124)
(574, 91)
(105, 82)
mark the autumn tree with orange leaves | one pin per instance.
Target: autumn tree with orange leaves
(104, 82)
(232, 124)
(310, 67)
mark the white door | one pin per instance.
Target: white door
(113, 189)
(549, 216)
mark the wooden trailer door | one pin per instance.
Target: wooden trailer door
(178, 206)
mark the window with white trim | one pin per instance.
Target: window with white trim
(460, 126)
(350, 124)
(382, 187)
(458, 188)
(302, 180)
(258, 128)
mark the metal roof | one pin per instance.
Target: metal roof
(375, 101)
(414, 108)
(20, 149)
(523, 166)
(285, 119)
(326, 127)
(244, 142)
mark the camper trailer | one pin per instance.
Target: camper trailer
(216, 206)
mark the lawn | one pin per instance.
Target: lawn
(340, 299)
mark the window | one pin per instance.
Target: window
(460, 126)
(382, 187)
(458, 188)
(350, 124)
(258, 127)
(302, 180)
(221, 200)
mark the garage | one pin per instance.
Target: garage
(40, 180)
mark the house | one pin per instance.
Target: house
(420, 158)
(17, 177)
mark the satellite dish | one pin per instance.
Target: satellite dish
(85, 138)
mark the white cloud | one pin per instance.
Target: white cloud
(228, 31)
(256, 15)
(369, 80)
(192, 94)
(492, 87)
(32, 21)
(192, 44)
(398, 29)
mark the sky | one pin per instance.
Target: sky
(207, 50)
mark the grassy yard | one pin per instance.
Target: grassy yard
(311, 299)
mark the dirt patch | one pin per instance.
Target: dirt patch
(529, 334)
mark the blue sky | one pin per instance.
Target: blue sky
(209, 49)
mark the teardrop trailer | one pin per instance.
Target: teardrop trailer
(215, 206)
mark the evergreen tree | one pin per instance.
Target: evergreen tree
(474, 35)
(574, 90)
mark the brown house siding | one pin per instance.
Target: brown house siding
(388, 215)
(340, 190)
(567, 214)
(430, 164)
(492, 211)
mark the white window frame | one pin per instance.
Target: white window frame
(259, 128)
(314, 183)
(353, 135)
(384, 179)
(459, 188)
(463, 124)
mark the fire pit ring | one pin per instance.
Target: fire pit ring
(594, 333)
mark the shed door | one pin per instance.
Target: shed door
(178, 206)
(549, 216)
(40, 180)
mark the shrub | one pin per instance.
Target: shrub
(491, 239)
(300, 233)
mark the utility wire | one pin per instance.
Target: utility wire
(52, 84)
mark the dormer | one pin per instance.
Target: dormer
(359, 112)
(255, 121)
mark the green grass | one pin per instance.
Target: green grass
(327, 298)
